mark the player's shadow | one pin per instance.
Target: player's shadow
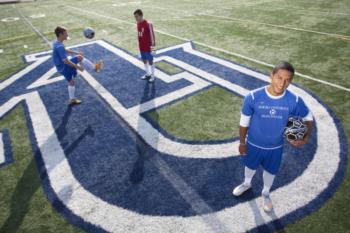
(144, 151)
(30, 182)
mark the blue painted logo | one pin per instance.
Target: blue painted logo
(110, 168)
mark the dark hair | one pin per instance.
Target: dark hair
(59, 30)
(138, 12)
(283, 65)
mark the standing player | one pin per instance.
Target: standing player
(146, 43)
(264, 115)
(68, 67)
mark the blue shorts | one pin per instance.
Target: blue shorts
(270, 160)
(146, 56)
(70, 72)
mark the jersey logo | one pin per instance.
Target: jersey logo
(109, 167)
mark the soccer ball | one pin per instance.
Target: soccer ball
(295, 130)
(89, 33)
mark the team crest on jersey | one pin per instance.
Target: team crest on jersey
(108, 167)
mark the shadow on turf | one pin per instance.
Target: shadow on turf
(30, 182)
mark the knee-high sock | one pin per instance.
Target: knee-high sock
(248, 175)
(87, 63)
(152, 69)
(71, 91)
(268, 180)
(147, 69)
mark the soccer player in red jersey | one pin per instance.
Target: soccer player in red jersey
(146, 43)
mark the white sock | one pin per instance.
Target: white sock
(147, 69)
(71, 91)
(87, 63)
(268, 180)
(248, 175)
(152, 69)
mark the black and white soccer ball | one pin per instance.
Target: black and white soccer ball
(89, 33)
(295, 130)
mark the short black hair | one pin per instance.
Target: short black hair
(59, 30)
(283, 65)
(138, 12)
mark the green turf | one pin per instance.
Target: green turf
(168, 68)
(23, 204)
(321, 56)
(214, 113)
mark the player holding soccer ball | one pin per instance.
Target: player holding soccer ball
(264, 116)
(68, 66)
(146, 43)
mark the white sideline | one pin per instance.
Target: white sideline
(339, 36)
(215, 48)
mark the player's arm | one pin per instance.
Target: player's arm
(74, 52)
(151, 33)
(247, 111)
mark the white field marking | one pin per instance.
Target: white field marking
(220, 50)
(33, 27)
(1, 51)
(2, 149)
(239, 218)
(25, 46)
(23, 72)
(9, 19)
(36, 16)
(147, 131)
(45, 79)
(334, 35)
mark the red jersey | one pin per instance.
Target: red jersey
(146, 36)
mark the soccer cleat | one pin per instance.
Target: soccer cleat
(98, 66)
(267, 204)
(74, 101)
(240, 189)
(146, 77)
(152, 79)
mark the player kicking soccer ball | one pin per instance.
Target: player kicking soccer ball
(68, 66)
(264, 116)
(146, 43)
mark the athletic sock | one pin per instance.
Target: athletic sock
(147, 69)
(87, 63)
(248, 175)
(152, 69)
(71, 91)
(268, 180)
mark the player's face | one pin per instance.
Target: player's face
(138, 18)
(64, 35)
(280, 81)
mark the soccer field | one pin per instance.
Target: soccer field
(313, 35)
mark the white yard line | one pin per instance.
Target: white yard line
(214, 48)
(334, 35)
(33, 27)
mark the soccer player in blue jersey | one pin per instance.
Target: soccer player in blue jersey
(68, 66)
(264, 116)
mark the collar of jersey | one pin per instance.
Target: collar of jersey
(274, 97)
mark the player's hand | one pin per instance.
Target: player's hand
(299, 143)
(80, 68)
(242, 149)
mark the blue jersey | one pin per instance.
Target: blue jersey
(269, 116)
(59, 54)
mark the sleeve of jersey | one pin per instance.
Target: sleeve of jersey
(62, 52)
(247, 111)
(151, 32)
(303, 111)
